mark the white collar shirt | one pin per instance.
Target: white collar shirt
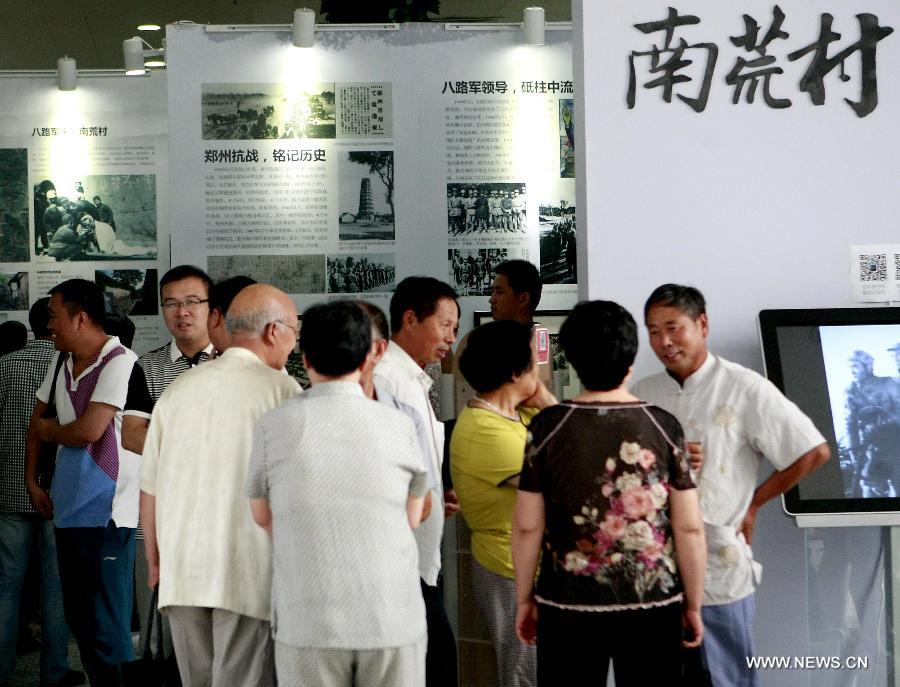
(741, 418)
(402, 377)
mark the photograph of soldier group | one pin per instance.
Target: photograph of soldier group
(483, 208)
(472, 271)
(360, 273)
(870, 457)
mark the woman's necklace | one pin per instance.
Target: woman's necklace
(490, 406)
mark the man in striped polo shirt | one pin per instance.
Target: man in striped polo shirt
(184, 293)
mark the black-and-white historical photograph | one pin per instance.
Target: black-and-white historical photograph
(131, 292)
(14, 205)
(366, 193)
(290, 273)
(253, 111)
(96, 217)
(495, 209)
(557, 237)
(368, 273)
(14, 291)
(862, 366)
(567, 138)
(472, 272)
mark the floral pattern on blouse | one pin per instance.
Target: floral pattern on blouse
(628, 540)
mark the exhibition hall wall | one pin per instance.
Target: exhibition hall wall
(707, 159)
(341, 169)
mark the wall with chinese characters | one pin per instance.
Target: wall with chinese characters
(84, 193)
(741, 148)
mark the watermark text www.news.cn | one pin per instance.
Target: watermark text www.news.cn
(808, 662)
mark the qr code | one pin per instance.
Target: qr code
(873, 267)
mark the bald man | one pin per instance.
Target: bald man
(212, 563)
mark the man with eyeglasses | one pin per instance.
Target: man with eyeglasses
(184, 293)
(212, 563)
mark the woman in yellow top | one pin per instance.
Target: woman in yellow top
(487, 449)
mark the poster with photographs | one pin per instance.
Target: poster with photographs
(131, 292)
(366, 195)
(14, 291)
(255, 111)
(14, 205)
(494, 209)
(97, 217)
(304, 274)
(559, 264)
(368, 273)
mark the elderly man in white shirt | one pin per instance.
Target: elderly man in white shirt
(212, 563)
(424, 322)
(740, 418)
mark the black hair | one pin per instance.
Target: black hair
(39, 317)
(336, 337)
(600, 340)
(82, 295)
(13, 336)
(421, 295)
(222, 293)
(495, 353)
(523, 276)
(184, 272)
(120, 325)
(379, 319)
(686, 298)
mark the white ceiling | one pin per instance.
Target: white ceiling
(35, 33)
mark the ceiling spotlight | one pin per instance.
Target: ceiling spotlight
(149, 27)
(138, 59)
(304, 28)
(534, 25)
(66, 74)
(133, 50)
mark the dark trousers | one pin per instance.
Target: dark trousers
(440, 659)
(644, 646)
(96, 569)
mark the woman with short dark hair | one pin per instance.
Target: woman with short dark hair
(607, 498)
(486, 452)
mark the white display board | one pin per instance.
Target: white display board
(102, 147)
(338, 170)
(755, 203)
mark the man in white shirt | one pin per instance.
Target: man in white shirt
(739, 417)
(212, 563)
(424, 322)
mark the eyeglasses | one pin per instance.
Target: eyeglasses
(187, 304)
(289, 326)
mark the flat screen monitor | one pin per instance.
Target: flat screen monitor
(841, 366)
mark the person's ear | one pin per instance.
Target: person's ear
(409, 318)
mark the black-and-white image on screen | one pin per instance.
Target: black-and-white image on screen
(842, 368)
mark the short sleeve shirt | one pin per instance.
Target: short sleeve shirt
(605, 472)
(486, 450)
(98, 482)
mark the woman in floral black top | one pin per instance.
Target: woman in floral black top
(606, 489)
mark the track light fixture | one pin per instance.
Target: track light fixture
(304, 28)
(66, 73)
(534, 25)
(138, 59)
